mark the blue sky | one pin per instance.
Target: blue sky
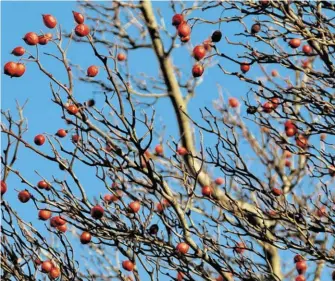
(18, 18)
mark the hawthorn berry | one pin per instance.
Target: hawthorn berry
(49, 21)
(197, 70)
(82, 30)
(121, 57)
(44, 215)
(177, 19)
(128, 265)
(97, 212)
(46, 266)
(85, 237)
(3, 187)
(92, 71)
(182, 248)
(134, 206)
(10, 68)
(184, 30)
(24, 196)
(78, 17)
(294, 43)
(31, 38)
(199, 52)
(18, 51)
(39, 140)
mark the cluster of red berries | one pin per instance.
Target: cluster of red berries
(17, 69)
(291, 130)
(81, 29)
(59, 223)
(301, 267)
(49, 268)
(271, 105)
(183, 29)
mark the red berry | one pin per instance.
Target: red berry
(159, 149)
(121, 57)
(49, 21)
(184, 30)
(43, 185)
(197, 70)
(177, 19)
(97, 212)
(182, 151)
(46, 266)
(233, 102)
(274, 73)
(307, 49)
(20, 70)
(321, 212)
(291, 132)
(276, 191)
(24, 196)
(182, 248)
(53, 222)
(10, 68)
(301, 141)
(134, 206)
(18, 51)
(43, 39)
(199, 52)
(245, 67)
(298, 258)
(61, 133)
(82, 30)
(289, 124)
(267, 107)
(39, 140)
(288, 163)
(75, 138)
(92, 71)
(78, 17)
(72, 109)
(58, 221)
(219, 181)
(300, 277)
(207, 191)
(54, 273)
(255, 28)
(85, 237)
(294, 43)
(31, 38)
(62, 228)
(3, 187)
(160, 207)
(44, 215)
(301, 267)
(275, 102)
(240, 248)
(108, 198)
(128, 265)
